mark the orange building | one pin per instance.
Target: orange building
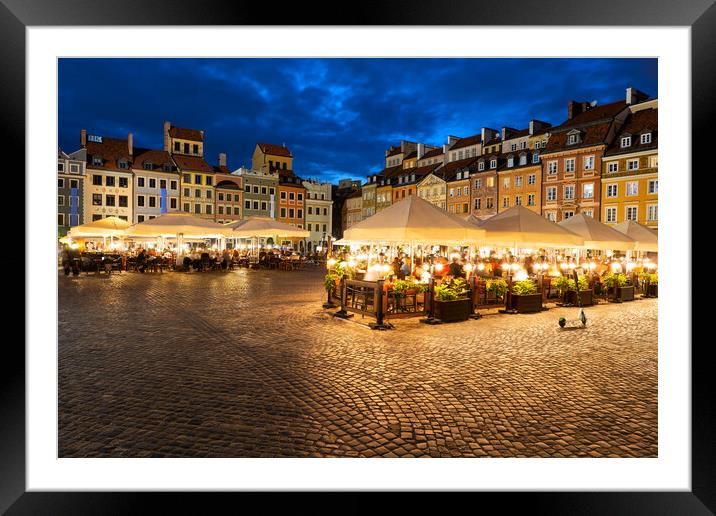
(291, 204)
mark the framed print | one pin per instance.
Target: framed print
(282, 263)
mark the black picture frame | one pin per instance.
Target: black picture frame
(16, 15)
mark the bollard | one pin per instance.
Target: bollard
(379, 316)
(473, 293)
(430, 304)
(343, 313)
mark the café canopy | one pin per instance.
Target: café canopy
(414, 220)
(645, 239)
(523, 228)
(264, 227)
(597, 235)
(106, 227)
(178, 224)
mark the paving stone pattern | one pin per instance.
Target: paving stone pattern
(248, 364)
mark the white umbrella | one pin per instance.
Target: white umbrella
(645, 239)
(521, 227)
(264, 227)
(597, 235)
(108, 226)
(174, 224)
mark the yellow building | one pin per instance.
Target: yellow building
(269, 157)
(384, 190)
(520, 181)
(630, 171)
(197, 183)
(432, 188)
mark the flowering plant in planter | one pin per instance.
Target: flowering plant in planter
(564, 284)
(524, 287)
(615, 280)
(652, 279)
(497, 286)
(330, 282)
(451, 290)
(348, 271)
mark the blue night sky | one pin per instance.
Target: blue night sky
(336, 115)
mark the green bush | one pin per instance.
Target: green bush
(564, 284)
(615, 280)
(329, 281)
(524, 287)
(451, 290)
(583, 283)
(498, 286)
(653, 279)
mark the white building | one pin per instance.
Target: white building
(319, 213)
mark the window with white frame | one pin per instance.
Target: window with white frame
(535, 158)
(653, 186)
(626, 141)
(631, 212)
(589, 163)
(523, 159)
(588, 213)
(510, 161)
(452, 192)
(478, 183)
(493, 163)
(610, 214)
(567, 214)
(572, 138)
(530, 199)
(523, 145)
(506, 182)
(569, 165)
(569, 192)
(588, 190)
(481, 165)
(531, 179)
(513, 147)
(505, 202)
(552, 193)
(518, 181)
(646, 138)
(652, 213)
(613, 167)
(654, 161)
(465, 190)
(612, 190)
(633, 164)
(632, 188)
(490, 182)
(518, 200)
(552, 167)
(551, 216)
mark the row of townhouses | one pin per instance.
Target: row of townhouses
(113, 177)
(601, 161)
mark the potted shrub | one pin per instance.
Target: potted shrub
(525, 298)
(451, 302)
(651, 284)
(496, 287)
(330, 283)
(585, 293)
(618, 285)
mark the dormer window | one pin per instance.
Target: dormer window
(459, 175)
(466, 174)
(97, 161)
(122, 163)
(535, 158)
(481, 165)
(493, 163)
(572, 138)
(167, 167)
(626, 141)
(147, 165)
(523, 159)
(510, 161)
(646, 138)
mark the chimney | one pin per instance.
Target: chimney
(130, 144)
(634, 96)
(504, 133)
(83, 138)
(167, 145)
(421, 150)
(575, 108)
(445, 148)
(452, 139)
(222, 159)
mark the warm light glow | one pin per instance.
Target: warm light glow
(331, 262)
(351, 263)
(438, 267)
(562, 265)
(521, 275)
(630, 266)
(592, 266)
(75, 245)
(386, 268)
(468, 267)
(616, 267)
(426, 276)
(572, 265)
(515, 266)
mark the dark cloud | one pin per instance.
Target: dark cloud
(337, 115)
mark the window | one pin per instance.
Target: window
(247, 189)
(195, 148)
(588, 191)
(123, 201)
(74, 183)
(488, 203)
(208, 194)
(283, 195)
(569, 165)
(646, 138)
(653, 186)
(506, 182)
(97, 161)
(291, 213)
(478, 183)
(237, 210)
(173, 203)
(510, 162)
(589, 163)
(209, 180)
(530, 199)
(152, 201)
(633, 164)
(109, 181)
(74, 169)
(208, 209)
(505, 202)
(300, 197)
(552, 193)
(96, 216)
(96, 199)
(490, 182)
(567, 215)
(256, 205)
(122, 164)
(588, 213)
(652, 213)
(513, 147)
(197, 193)
(140, 218)
(186, 151)
(272, 191)
(291, 196)
(631, 212)
(613, 167)
(572, 138)
(177, 148)
(310, 210)
(493, 163)
(109, 200)
(612, 190)
(60, 200)
(60, 183)
(653, 161)
(247, 205)
(263, 206)
(535, 158)
(626, 141)
(465, 190)
(173, 185)
(163, 184)
(197, 179)
(197, 207)
(152, 182)
(632, 188)
(147, 165)
(552, 216)
(452, 192)
(531, 179)
(186, 207)
(552, 167)
(569, 192)
(186, 192)
(220, 196)
(60, 219)
(518, 200)
(481, 165)
(60, 167)
(229, 197)
(299, 214)
(140, 200)
(186, 178)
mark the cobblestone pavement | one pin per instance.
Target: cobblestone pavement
(248, 364)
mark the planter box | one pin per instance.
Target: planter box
(527, 303)
(452, 311)
(652, 290)
(624, 293)
(585, 297)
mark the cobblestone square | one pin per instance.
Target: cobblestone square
(247, 364)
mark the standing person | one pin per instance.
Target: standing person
(456, 269)
(142, 260)
(66, 259)
(405, 268)
(396, 266)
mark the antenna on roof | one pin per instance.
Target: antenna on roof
(593, 103)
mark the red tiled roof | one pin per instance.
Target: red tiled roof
(111, 150)
(590, 135)
(219, 169)
(186, 134)
(192, 164)
(274, 150)
(432, 153)
(595, 114)
(466, 142)
(411, 155)
(355, 193)
(646, 120)
(449, 170)
(394, 151)
(516, 133)
(419, 172)
(157, 158)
